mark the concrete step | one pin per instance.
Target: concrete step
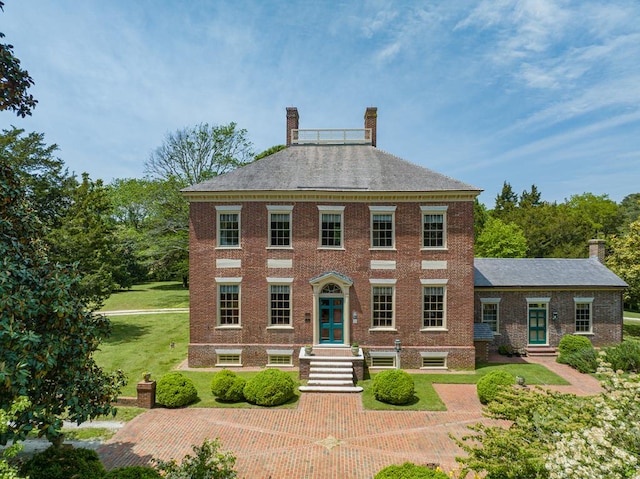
(331, 370)
(330, 389)
(330, 382)
(331, 363)
(541, 351)
(348, 376)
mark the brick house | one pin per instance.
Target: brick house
(332, 241)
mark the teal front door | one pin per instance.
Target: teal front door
(331, 320)
(537, 326)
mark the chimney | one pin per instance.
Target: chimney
(292, 122)
(596, 249)
(370, 121)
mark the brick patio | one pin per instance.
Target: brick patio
(326, 436)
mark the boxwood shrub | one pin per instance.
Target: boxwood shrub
(175, 390)
(625, 356)
(572, 343)
(410, 470)
(133, 472)
(64, 463)
(393, 386)
(228, 386)
(584, 360)
(488, 386)
(270, 387)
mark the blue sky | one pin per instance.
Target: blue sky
(543, 92)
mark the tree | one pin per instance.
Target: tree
(47, 183)
(506, 203)
(501, 240)
(88, 238)
(14, 82)
(531, 198)
(195, 154)
(270, 151)
(48, 331)
(630, 207)
(480, 216)
(624, 260)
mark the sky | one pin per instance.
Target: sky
(543, 92)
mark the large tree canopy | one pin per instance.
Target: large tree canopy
(195, 154)
(47, 330)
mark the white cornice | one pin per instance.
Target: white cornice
(333, 196)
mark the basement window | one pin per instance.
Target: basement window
(434, 360)
(383, 359)
(279, 358)
(231, 357)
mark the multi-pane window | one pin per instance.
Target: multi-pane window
(583, 315)
(280, 226)
(228, 304)
(228, 226)
(382, 226)
(280, 304)
(433, 312)
(331, 226)
(434, 227)
(490, 314)
(382, 306)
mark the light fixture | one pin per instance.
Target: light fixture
(398, 345)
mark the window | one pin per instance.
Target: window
(383, 359)
(331, 226)
(382, 226)
(434, 227)
(583, 315)
(280, 304)
(490, 310)
(228, 303)
(228, 357)
(279, 358)
(280, 226)
(382, 303)
(434, 360)
(228, 226)
(433, 307)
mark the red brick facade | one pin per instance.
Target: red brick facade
(354, 261)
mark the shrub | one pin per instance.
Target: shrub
(64, 463)
(206, 463)
(571, 343)
(270, 387)
(584, 360)
(410, 470)
(625, 356)
(490, 385)
(133, 472)
(228, 386)
(393, 386)
(175, 390)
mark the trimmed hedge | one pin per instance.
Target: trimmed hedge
(133, 472)
(409, 470)
(625, 356)
(228, 386)
(393, 386)
(175, 390)
(571, 343)
(64, 463)
(270, 387)
(490, 385)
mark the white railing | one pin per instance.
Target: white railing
(328, 136)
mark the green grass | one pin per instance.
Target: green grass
(143, 343)
(165, 294)
(428, 400)
(88, 433)
(629, 314)
(631, 330)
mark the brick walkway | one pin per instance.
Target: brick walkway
(326, 436)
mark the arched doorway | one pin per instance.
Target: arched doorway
(331, 309)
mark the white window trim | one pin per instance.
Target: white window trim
(436, 355)
(373, 210)
(384, 354)
(275, 209)
(226, 209)
(588, 301)
(434, 282)
(223, 352)
(228, 281)
(425, 210)
(279, 352)
(384, 283)
(496, 301)
(330, 209)
(276, 282)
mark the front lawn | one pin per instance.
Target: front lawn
(158, 295)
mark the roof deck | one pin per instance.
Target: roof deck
(332, 136)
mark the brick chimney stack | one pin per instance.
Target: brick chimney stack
(292, 122)
(370, 121)
(596, 249)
